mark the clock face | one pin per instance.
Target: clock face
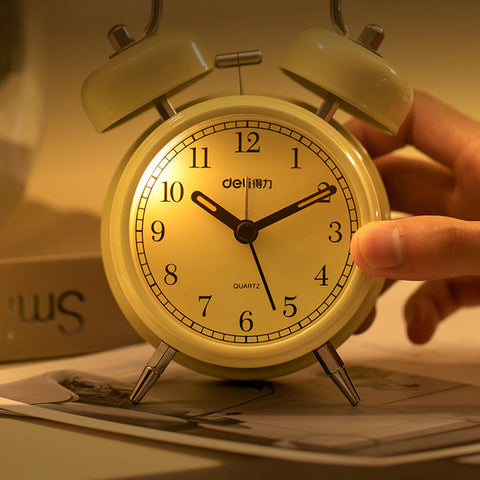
(239, 235)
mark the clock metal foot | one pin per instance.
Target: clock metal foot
(151, 372)
(334, 367)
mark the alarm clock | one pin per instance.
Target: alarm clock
(226, 230)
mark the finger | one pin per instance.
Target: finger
(418, 248)
(417, 186)
(436, 129)
(436, 300)
(367, 323)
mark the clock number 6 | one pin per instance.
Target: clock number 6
(246, 323)
(250, 145)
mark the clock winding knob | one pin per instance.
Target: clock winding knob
(120, 37)
(371, 37)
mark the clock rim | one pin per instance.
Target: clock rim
(234, 361)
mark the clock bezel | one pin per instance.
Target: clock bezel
(233, 360)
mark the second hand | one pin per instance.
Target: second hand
(252, 249)
(247, 186)
(260, 271)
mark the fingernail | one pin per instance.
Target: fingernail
(380, 246)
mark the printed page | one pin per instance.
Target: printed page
(402, 417)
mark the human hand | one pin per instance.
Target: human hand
(440, 243)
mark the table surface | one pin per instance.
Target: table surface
(40, 450)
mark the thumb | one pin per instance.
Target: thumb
(418, 248)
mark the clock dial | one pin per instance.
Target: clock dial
(241, 229)
(227, 231)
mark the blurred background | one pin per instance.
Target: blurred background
(67, 166)
(435, 43)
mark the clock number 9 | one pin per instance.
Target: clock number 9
(158, 230)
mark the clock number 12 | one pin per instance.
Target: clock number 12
(248, 144)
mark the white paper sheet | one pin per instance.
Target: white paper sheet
(402, 418)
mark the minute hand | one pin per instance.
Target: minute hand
(320, 196)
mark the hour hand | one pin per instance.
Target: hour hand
(215, 210)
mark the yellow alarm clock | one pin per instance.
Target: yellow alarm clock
(226, 231)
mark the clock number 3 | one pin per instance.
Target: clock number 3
(336, 235)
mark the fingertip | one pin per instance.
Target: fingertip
(418, 248)
(367, 322)
(421, 322)
(377, 246)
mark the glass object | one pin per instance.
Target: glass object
(20, 99)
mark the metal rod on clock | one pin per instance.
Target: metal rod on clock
(238, 59)
(121, 39)
(371, 38)
(247, 187)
